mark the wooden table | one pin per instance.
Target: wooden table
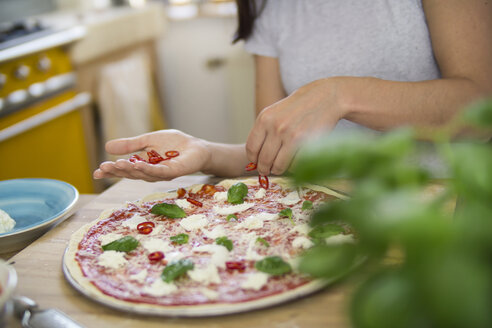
(41, 278)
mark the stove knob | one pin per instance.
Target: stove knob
(44, 64)
(3, 80)
(22, 72)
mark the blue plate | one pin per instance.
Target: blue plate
(35, 205)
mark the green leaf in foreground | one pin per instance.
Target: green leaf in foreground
(263, 241)
(172, 211)
(288, 213)
(307, 205)
(175, 270)
(124, 244)
(226, 242)
(273, 265)
(236, 193)
(180, 239)
(319, 233)
(230, 217)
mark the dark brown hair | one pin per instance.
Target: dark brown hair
(247, 12)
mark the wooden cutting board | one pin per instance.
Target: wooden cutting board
(41, 278)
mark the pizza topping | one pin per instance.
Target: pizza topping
(155, 256)
(260, 193)
(181, 192)
(220, 196)
(226, 210)
(139, 277)
(183, 203)
(273, 265)
(251, 222)
(125, 244)
(215, 233)
(250, 167)
(155, 244)
(176, 269)
(292, 198)
(112, 259)
(180, 239)
(302, 229)
(226, 242)
(172, 211)
(255, 281)
(302, 242)
(220, 254)
(208, 189)
(194, 202)
(207, 275)
(230, 217)
(146, 227)
(307, 205)
(134, 221)
(263, 241)
(194, 222)
(339, 239)
(154, 157)
(263, 180)
(107, 238)
(236, 265)
(159, 288)
(288, 213)
(172, 153)
(236, 193)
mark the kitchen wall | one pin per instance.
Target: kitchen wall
(206, 82)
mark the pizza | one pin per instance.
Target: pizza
(202, 250)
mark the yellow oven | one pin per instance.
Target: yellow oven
(41, 122)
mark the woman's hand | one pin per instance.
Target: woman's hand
(279, 128)
(193, 156)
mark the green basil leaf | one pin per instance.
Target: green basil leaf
(307, 205)
(124, 244)
(180, 239)
(236, 193)
(263, 241)
(273, 265)
(288, 213)
(226, 242)
(319, 233)
(176, 269)
(172, 211)
(231, 216)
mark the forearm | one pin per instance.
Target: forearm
(226, 160)
(383, 105)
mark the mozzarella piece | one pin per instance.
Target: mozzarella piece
(156, 244)
(220, 196)
(302, 229)
(157, 230)
(112, 259)
(251, 222)
(110, 237)
(134, 221)
(226, 210)
(183, 203)
(194, 222)
(291, 198)
(174, 256)
(220, 254)
(255, 281)
(6, 222)
(260, 193)
(302, 242)
(217, 232)
(339, 239)
(251, 254)
(207, 275)
(160, 288)
(208, 293)
(139, 277)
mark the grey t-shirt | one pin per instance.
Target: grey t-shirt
(315, 39)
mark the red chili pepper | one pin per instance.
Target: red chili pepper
(154, 157)
(181, 192)
(194, 202)
(250, 167)
(263, 180)
(136, 158)
(155, 256)
(172, 153)
(146, 224)
(145, 230)
(208, 189)
(235, 265)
